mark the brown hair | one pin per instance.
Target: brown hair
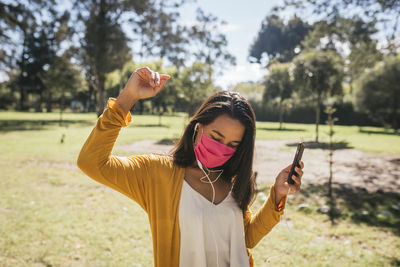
(239, 168)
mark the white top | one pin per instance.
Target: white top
(211, 235)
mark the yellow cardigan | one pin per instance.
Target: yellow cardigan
(155, 183)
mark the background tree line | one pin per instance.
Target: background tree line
(78, 53)
(347, 56)
(83, 54)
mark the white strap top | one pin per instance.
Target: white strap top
(211, 235)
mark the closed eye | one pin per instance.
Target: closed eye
(219, 140)
(216, 139)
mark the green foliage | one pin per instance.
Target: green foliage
(278, 87)
(277, 83)
(379, 93)
(64, 77)
(317, 75)
(316, 72)
(41, 42)
(384, 13)
(278, 39)
(196, 85)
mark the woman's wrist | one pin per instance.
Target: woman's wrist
(126, 101)
(278, 198)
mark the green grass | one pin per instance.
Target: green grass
(368, 139)
(306, 237)
(53, 214)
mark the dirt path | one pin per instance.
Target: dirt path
(351, 167)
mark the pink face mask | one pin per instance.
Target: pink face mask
(212, 153)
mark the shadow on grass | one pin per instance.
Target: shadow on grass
(378, 132)
(282, 130)
(322, 145)
(29, 125)
(395, 262)
(395, 161)
(167, 141)
(381, 209)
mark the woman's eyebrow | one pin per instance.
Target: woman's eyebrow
(220, 134)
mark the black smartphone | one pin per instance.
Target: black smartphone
(297, 158)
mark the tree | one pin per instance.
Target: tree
(42, 30)
(15, 18)
(331, 199)
(386, 13)
(278, 40)
(40, 46)
(160, 35)
(351, 38)
(317, 74)
(379, 93)
(210, 44)
(196, 85)
(278, 87)
(104, 44)
(64, 79)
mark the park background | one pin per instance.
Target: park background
(326, 73)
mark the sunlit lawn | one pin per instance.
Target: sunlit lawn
(52, 214)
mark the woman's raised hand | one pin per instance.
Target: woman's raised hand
(145, 83)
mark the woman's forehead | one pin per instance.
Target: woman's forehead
(227, 126)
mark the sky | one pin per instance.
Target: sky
(243, 23)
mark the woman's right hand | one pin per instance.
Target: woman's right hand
(145, 83)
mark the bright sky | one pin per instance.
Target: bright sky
(243, 23)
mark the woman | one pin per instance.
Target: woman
(197, 197)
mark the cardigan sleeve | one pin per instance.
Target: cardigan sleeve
(127, 175)
(259, 225)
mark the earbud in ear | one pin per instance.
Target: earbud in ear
(194, 131)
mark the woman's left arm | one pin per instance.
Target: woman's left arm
(259, 225)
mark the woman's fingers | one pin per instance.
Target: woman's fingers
(288, 168)
(163, 80)
(297, 180)
(157, 79)
(296, 186)
(152, 78)
(298, 171)
(301, 164)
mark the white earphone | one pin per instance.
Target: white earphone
(212, 186)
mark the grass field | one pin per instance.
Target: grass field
(51, 214)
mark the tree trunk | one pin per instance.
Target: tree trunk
(141, 107)
(61, 109)
(280, 114)
(22, 95)
(38, 104)
(317, 117)
(48, 101)
(101, 92)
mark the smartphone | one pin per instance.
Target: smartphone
(297, 158)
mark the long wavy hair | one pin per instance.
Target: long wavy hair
(239, 168)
